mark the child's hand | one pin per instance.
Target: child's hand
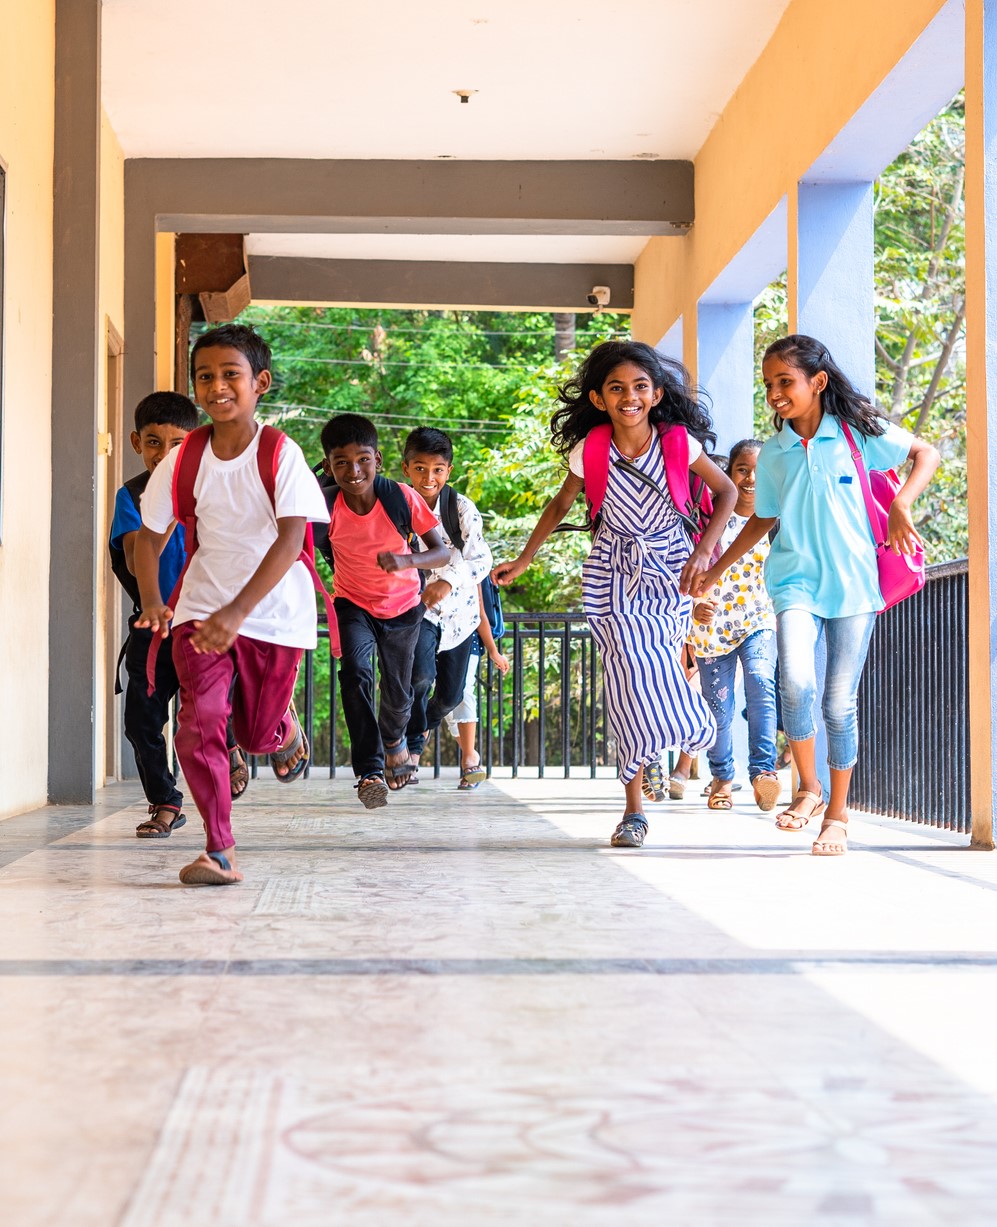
(393, 562)
(696, 568)
(435, 592)
(703, 611)
(500, 662)
(901, 534)
(506, 572)
(157, 618)
(217, 633)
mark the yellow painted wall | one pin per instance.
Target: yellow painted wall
(27, 103)
(111, 313)
(821, 64)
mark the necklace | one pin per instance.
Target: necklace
(641, 450)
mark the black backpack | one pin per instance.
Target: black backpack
(491, 598)
(135, 487)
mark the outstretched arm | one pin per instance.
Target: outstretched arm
(901, 533)
(724, 498)
(746, 539)
(550, 517)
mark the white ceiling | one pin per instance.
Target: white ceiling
(565, 79)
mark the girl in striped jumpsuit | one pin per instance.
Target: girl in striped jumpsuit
(640, 556)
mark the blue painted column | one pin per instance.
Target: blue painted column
(834, 275)
(834, 296)
(981, 402)
(671, 344)
(726, 361)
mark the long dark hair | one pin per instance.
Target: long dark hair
(680, 402)
(840, 397)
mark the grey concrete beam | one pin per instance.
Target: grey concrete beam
(431, 283)
(305, 195)
(76, 352)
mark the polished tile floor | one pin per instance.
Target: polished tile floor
(468, 1009)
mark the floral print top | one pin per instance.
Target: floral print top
(743, 604)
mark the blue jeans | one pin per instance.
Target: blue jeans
(847, 641)
(757, 655)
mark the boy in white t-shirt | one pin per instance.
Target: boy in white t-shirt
(246, 610)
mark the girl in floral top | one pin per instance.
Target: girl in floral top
(734, 621)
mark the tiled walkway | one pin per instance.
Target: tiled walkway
(465, 1010)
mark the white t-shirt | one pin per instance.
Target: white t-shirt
(575, 455)
(236, 525)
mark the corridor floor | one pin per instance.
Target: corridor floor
(467, 1009)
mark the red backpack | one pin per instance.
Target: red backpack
(692, 500)
(185, 513)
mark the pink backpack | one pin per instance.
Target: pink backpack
(691, 499)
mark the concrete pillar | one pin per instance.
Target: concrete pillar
(833, 275)
(76, 355)
(981, 401)
(726, 362)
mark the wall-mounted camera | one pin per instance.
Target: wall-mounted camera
(598, 296)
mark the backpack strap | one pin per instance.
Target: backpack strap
(394, 502)
(595, 466)
(450, 516)
(690, 495)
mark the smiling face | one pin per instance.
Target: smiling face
(354, 467)
(627, 396)
(155, 442)
(428, 475)
(742, 474)
(793, 394)
(225, 386)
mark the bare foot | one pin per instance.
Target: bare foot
(833, 837)
(212, 869)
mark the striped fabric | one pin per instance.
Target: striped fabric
(640, 620)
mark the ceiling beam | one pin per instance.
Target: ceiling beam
(438, 284)
(316, 196)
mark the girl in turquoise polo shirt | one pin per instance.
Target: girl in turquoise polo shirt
(821, 571)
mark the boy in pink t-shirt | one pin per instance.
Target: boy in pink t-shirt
(378, 600)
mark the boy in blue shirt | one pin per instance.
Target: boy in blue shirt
(162, 422)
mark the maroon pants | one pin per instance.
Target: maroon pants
(265, 674)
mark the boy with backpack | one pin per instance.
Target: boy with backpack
(451, 596)
(162, 422)
(243, 610)
(379, 605)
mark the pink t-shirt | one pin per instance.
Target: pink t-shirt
(356, 542)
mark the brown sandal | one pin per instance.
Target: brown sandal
(719, 799)
(837, 847)
(238, 772)
(158, 827)
(792, 820)
(767, 790)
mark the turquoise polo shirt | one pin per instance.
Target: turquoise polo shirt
(823, 558)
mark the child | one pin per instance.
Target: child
(640, 552)
(821, 572)
(378, 600)
(734, 621)
(451, 596)
(246, 610)
(462, 722)
(162, 422)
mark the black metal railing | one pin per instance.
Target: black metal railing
(914, 707)
(548, 712)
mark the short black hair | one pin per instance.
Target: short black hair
(166, 409)
(347, 428)
(246, 340)
(428, 441)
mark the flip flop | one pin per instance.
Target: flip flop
(197, 873)
(474, 775)
(156, 827)
(280, 758)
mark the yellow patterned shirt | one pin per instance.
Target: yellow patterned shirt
(742, 602)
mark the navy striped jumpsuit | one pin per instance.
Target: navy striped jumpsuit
(640, 620)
